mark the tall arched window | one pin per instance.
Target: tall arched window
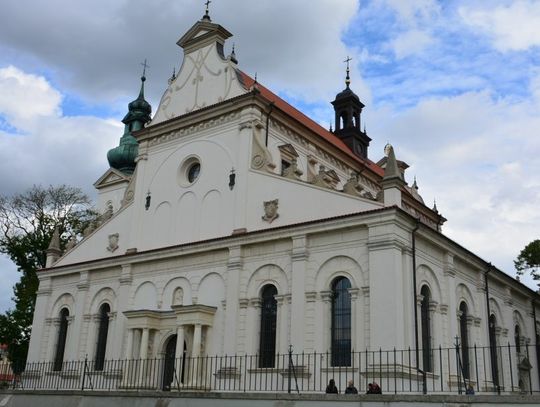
(517, 339)
(103, 331)
(426, 329)
(341, 322)
(268, 326)
(61, 341)
(493, 350)
(464, 333)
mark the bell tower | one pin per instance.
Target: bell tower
(348, 107)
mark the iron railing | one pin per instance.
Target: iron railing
(394, 370)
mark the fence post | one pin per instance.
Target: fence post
(289, 370)
(84, 372)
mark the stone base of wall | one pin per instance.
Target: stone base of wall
(191, 399)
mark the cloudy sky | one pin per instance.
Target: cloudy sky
(453, 86)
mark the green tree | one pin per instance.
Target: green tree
(27, 223)
(529, 260)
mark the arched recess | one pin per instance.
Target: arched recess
(267, 274)
(463, 293)
(65, 300)
(161, 225)
(426, 276)
(211, 290)
(167, 296)
(339, 266)
(211, 216)
(105, 294)
(495, 309)
(187, 213)
(145, 296)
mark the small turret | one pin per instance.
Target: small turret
(123, 157)
(53, 251)
(392, 181)
(348, 107)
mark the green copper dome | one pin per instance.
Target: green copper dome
(123, 157)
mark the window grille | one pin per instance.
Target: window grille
(268, 326)
(341, 322)
(103, 331)
(62, 336)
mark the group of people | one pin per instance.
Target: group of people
(373, 388)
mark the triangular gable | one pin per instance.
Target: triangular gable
(111, 177)
(201, 31)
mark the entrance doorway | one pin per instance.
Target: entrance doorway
(171, 377)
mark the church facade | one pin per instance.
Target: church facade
(233, 224)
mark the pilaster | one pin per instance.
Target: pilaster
(234, 268)
(299, 258)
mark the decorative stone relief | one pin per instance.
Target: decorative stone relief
(261, 159)
(130, 190)
(292, 172)
(270, 210)
(113, 242)
(321, 179)
(352, 187)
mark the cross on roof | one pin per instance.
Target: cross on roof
(207, 4)
(347, 78)
(145, 65)
(347, 61)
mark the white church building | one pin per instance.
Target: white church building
(236, 229)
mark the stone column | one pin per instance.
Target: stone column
(129, 348)
(355, 322)
(234, 267)
(281, 326)
(143, 355)
(74, 345)
(450, 325)
(254, 325)
(122, 302)
(299, 264)
(386, 242)
(195, 353)
(325, 320)
(179, 351)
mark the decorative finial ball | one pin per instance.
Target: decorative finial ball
(387, 148)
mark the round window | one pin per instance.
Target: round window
(193, 172)
(189, 171)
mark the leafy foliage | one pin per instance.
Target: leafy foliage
(27, 223)
(529, 259)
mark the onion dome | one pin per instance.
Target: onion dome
(123, 157)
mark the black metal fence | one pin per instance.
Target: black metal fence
(504, 369)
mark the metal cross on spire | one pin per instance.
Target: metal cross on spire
(145, 65)
(348, 78)
(207, 12)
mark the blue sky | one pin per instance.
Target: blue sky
(454, 86)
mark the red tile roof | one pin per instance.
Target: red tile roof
(309, 123)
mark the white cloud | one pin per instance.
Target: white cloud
(26, 96)
(410, 43)
(410, 11)
(9, 276)
(478, 156)
(52, 148)
(512, 27)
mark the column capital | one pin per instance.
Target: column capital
(243, 302)
(326, 296)
(256, 302)
(311, 296)
(353, 292)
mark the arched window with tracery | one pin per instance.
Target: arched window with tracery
(267, 347)
(464, 335)
(426, 329)
(61, 341)
(103, 331)
(493, 350)
(341, 322)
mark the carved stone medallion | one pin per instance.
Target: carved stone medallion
(270, 211)
(113, 242)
